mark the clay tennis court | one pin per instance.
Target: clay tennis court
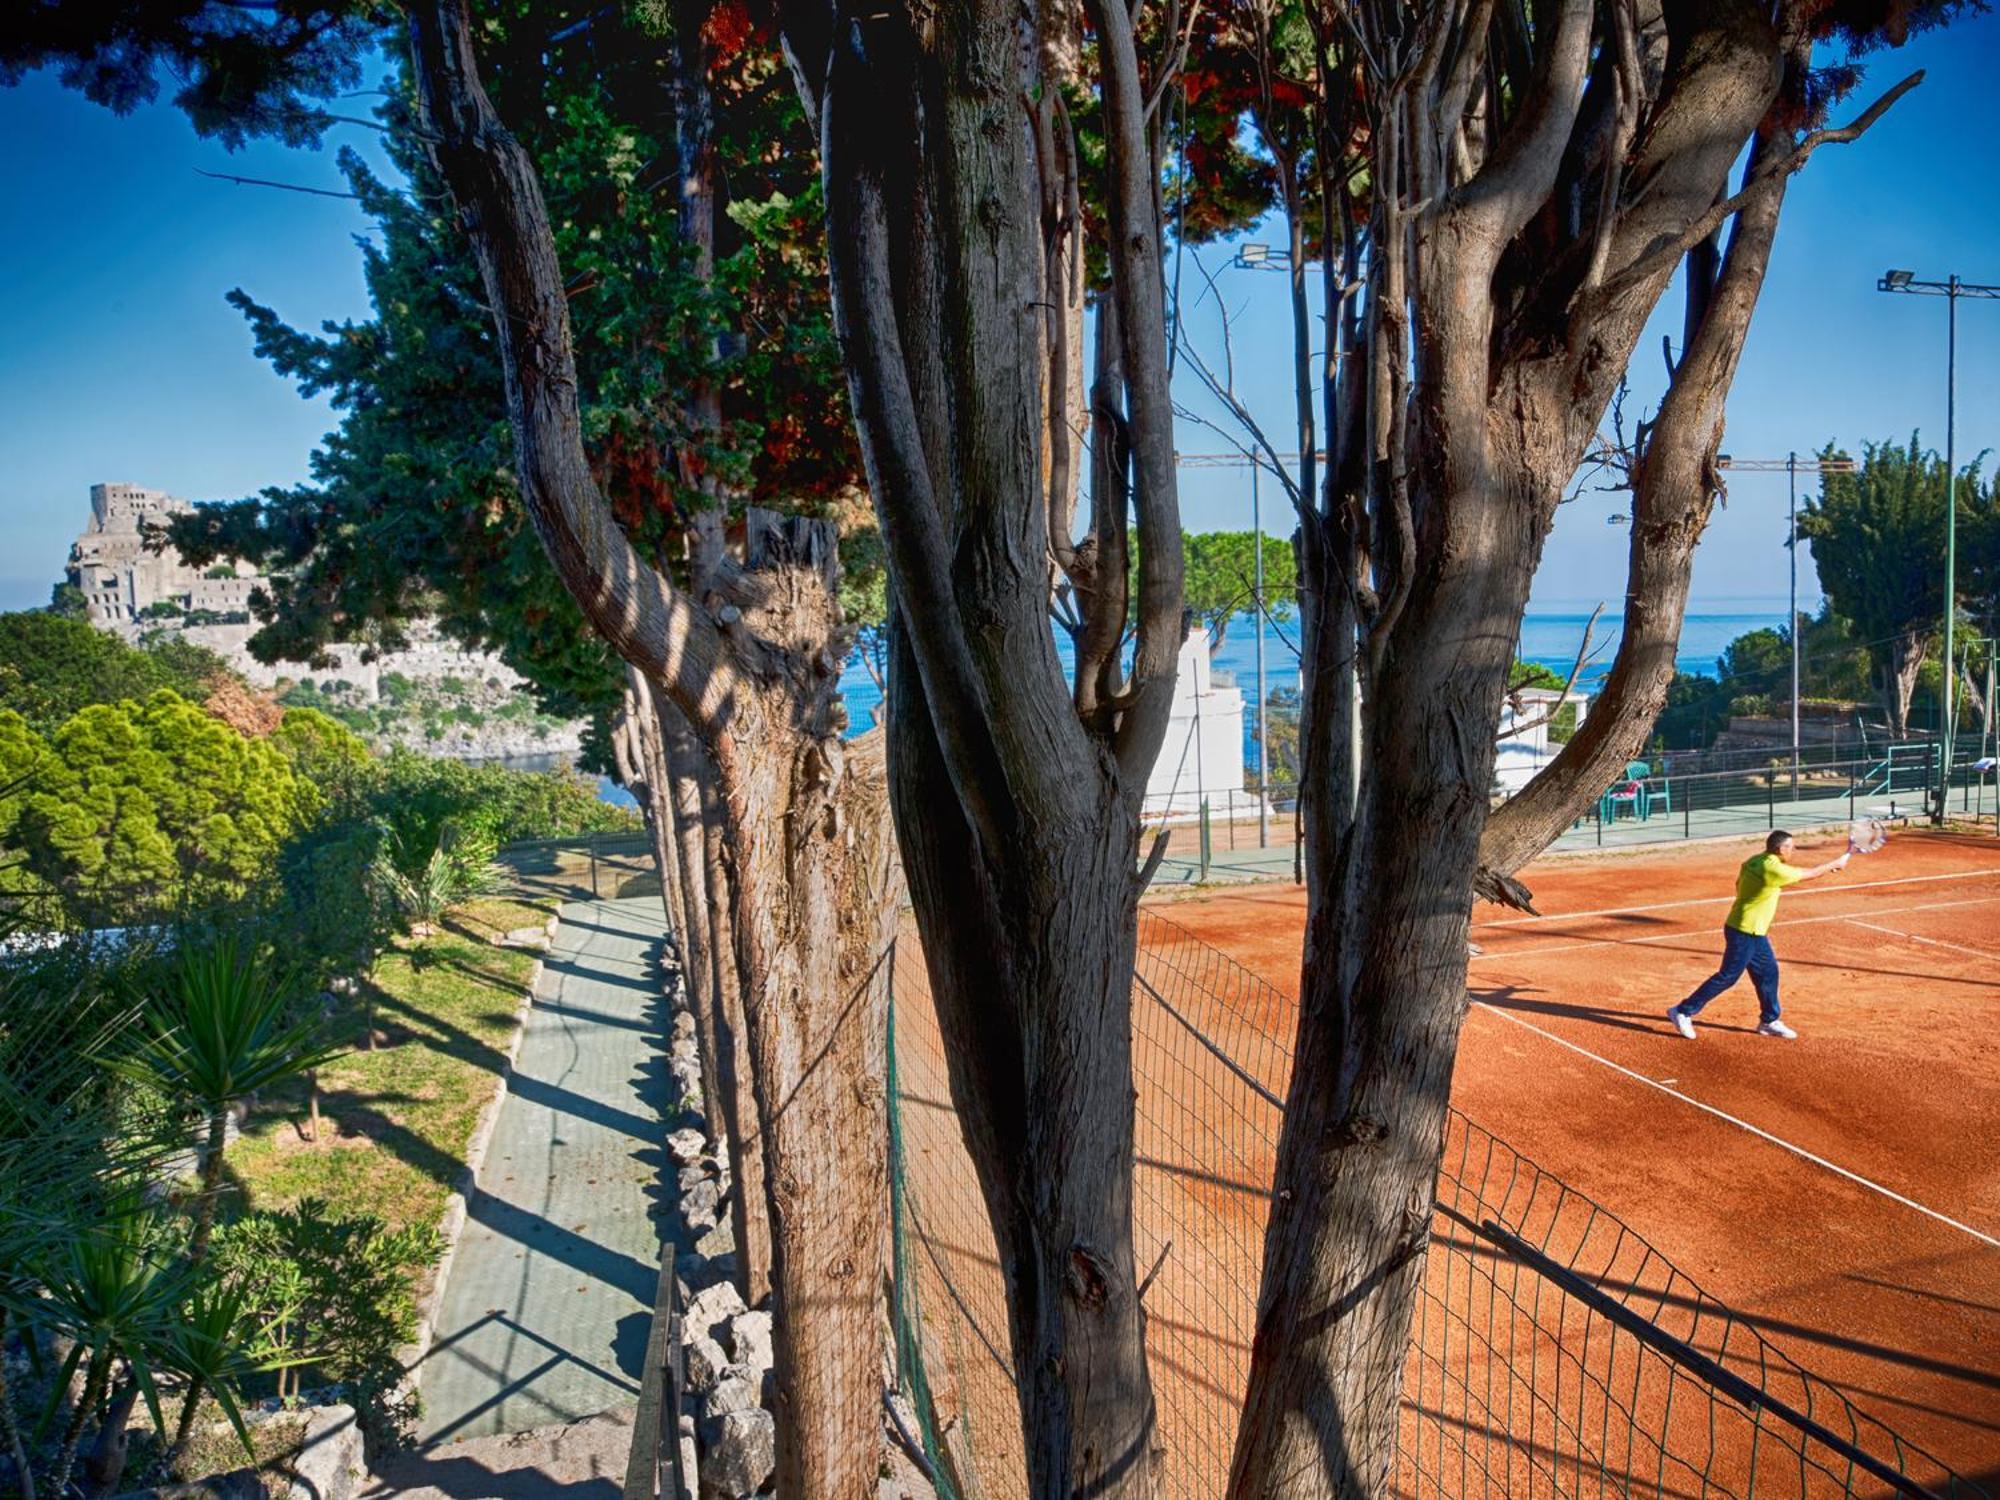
(1841, 1193)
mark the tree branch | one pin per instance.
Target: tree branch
(1664, 254)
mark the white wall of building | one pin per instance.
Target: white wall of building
(1203, 751)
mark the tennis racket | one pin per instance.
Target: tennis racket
(1866, 835)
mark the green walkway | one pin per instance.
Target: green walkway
(545, 1314)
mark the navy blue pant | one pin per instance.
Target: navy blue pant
(1740, 951)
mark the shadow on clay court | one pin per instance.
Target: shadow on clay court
(1778, 1329)
(1510, 997)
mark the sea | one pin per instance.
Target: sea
(1549, 637)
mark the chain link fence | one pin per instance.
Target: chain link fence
(1554, 1352)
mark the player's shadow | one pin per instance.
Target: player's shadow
(1652, 1023)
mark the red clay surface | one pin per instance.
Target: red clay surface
(1841, 1192)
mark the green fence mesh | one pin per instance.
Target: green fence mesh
(1555, 1352)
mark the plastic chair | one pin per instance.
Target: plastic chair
(1632, 794)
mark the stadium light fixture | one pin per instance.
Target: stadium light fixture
(1951, 289)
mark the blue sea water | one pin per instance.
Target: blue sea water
(1552, 639)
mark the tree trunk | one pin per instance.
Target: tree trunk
(752, 659)
(94, 1386)
(211, 1184)
(1907, 650)
(184, 1425)
(10, 1420)
(1016, 792)
(104, 1466)
(1382, 997)
(813, 898)
(1675, 482)
(719, 1022)
(1043, 952)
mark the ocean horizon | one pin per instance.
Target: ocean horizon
(1550, 637)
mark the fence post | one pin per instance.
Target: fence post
(1205, 834)
(1687, 809)
(1770, 801)
(593, 867)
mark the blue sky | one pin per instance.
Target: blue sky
(120, 359)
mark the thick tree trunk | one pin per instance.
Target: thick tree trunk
(1382, 997)
(719, 1020)
(1015, 793)
(813, 902)
(1040, 948)
(751, 657)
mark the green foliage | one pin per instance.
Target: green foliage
(221, 1029)
(335, 1292)
(146, 809)
(53, 666)
(1281, 729)
(418, 794)
(1532, 674)
(1222, 575)
(1877, 536)
(66, 602)
(412, 508)
(1753, 676)
(420, 882)
(323, 753)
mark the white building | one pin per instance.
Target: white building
(1202, 755)
(1524, 743)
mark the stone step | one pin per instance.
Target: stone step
(576, 1460)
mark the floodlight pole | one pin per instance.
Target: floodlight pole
(1263, 758)
(1791, 465)
(1951, 289)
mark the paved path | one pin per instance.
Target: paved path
(546, 1311)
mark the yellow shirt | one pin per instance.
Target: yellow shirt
(1757, 887)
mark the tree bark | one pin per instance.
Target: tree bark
(719, 1021)
(1522, 232)
(211, 1184)
(1016, 793)
(1907, 650)
(751, 658)
(1043, 953)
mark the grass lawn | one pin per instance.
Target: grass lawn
(395, 1122)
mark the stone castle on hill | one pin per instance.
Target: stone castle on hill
(131, 591)
(121, 580)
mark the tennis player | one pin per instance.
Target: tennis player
(1745, 940)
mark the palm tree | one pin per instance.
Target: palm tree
(215, 1343)
(223, 1030)
(116, 1297)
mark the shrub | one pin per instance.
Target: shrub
(337, 1293)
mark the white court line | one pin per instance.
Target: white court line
(1779, 1141)
(1916, 937)
(1666, 937)
(1795, 894)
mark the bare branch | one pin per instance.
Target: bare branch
(1665, 253)
(289, 187)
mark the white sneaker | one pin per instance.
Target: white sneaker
(1683, 1023)
(1777, 1028)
